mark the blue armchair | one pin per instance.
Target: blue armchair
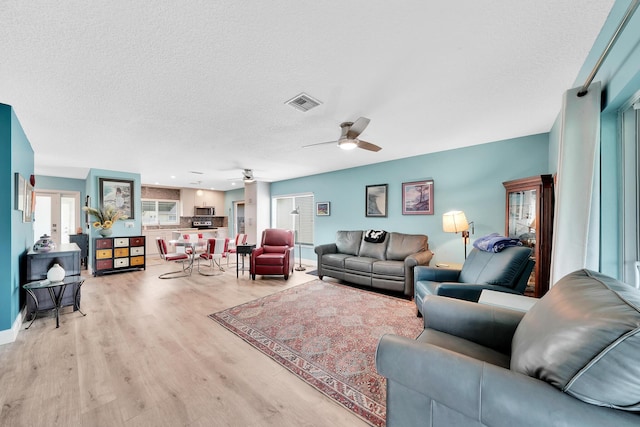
(505, 271)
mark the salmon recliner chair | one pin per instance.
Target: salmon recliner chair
(275, 255)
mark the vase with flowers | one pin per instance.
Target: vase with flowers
(105, 218)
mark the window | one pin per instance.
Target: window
(160, 212)
(302, 224)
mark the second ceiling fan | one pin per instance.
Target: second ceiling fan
(349, 136)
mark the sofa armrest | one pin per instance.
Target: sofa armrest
(486, 325)
(434, 274)
(410, 262)
(329, 248)
(486, 394)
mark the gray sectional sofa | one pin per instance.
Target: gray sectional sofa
(387, 264)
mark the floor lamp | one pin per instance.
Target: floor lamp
(455, 221)
(296, 212)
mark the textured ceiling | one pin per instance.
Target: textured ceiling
(164, 88)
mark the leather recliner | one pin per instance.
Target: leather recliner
(275, 255)
(504, 271)
(571, 360)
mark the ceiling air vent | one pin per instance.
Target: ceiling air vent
(303, 102)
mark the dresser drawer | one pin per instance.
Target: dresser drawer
(136, 241)
(104, 253)
(121, 252)
(104, 264)
(121, 242)
(137, 260)
(137, 250)
(104, 243)
(121, 262)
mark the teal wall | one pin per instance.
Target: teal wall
(16, 156)
(231, 196)
(44, 182)
(468, 179)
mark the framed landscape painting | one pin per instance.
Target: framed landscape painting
(117, 193)
(417, 198)
(323, 208)
(376, 200)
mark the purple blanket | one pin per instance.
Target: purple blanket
(494, 242)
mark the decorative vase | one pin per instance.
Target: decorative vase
(44, 244)
(105, 232)
(56, 273)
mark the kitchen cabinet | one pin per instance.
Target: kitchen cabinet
(210, 198)
(529, 218)
(118, 254)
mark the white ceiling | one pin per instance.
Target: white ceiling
(164, 88)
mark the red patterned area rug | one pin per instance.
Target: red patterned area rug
(326, 334)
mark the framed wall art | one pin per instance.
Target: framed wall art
(376, 200)
(29, 203)
(417, 197)
(323, 208)
(117, 193)
(20, 192)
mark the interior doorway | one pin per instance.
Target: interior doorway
(56, 214)
(238, 218)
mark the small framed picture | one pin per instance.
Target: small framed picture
(323, 208)
(20, 192)
(376, 200)
(29, 203)
(417, 197)
(119, 194)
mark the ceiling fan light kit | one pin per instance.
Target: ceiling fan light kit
(349, 136)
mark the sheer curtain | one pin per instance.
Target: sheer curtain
(577, 211)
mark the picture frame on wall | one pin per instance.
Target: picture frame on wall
(376, 200)
(117, 193)
(323, 208)
(20, 192)
(417, 197)
(29, 203)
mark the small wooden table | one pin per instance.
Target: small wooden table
(55, 299)
(243, 250)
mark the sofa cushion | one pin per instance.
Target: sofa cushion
(334, 260)
(583, 337)
(374, 250)
(388, 268)
(495, 268)
(363, 264)
(348, 242)
(402, 245)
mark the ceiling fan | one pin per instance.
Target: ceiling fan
(247, 176)
(349, 136)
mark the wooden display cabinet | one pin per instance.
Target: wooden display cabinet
(529, 218)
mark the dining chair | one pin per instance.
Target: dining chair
(174, 257)
(213, 255)
(241, 239)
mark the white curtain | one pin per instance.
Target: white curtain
(576, 226)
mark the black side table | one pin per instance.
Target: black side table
(243, 250)
(76, 281)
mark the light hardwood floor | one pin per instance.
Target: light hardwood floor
(146, 354)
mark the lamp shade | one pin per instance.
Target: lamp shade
(454, 221)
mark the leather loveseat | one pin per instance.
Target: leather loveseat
(571, 360)
(386, 264)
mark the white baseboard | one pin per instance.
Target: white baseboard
(9, 335)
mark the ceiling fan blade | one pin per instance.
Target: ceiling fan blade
(319, 143)
(357, 127)
(368, 146)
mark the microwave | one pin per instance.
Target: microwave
(204, 211)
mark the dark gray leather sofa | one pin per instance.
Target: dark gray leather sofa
(386, 265)
(504, 271)
(571, 360)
